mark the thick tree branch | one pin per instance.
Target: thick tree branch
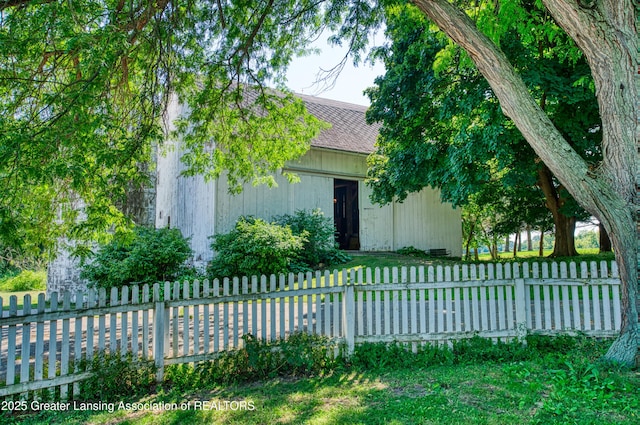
(613, 60)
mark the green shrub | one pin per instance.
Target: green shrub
(147, 256)
(7, 269)
(116, 377)
(26, 280)
(320, 248)
(255, 247)
(412, 251)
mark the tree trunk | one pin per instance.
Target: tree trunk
(541, 247)
(604, 240)
(606, 33)
(515, 245)
(470, 236)
(519, 242)
(565, 226)
(529, 241)
(564, 245)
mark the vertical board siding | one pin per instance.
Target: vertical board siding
(185, 322)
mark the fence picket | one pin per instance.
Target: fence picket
(310, 314)
(566, 308)
(595, 291)
(254, 306)
(25, 344)
(53, 342)
(196, 318)
(413, 299)
(440, 311)
(236, 305)
(378, 304)
(617, 312)
(102, 326)
(467, 310)
(533, 271)
(492, 300)
(537, 301)
(475, 301)
(135, 326)
(396, 303)
(422, 301)
(245, 306)
(606, 307)
(225, 315)
(326, 317)
(337, 331)
(175, 323)
(370, 301)
(300, 322)
(502, 308)
(77, 339)
(206, 318)
(281, 317)
(547, 305)
(39, 353)
(263, 309)
(359, 300)
(186, 320)
(64, 357)
(509, 307)
(484, 314)
(449, 307)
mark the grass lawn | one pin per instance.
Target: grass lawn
(381, 260)
(390, 259)
(554, 388)
(588, 254)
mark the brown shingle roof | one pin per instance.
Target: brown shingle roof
(349, 131)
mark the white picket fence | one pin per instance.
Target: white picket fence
(191, 322)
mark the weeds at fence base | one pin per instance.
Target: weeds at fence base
(116, 376)
(299, 355)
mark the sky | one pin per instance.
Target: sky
(348, 86)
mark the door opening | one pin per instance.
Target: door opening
(346, 214)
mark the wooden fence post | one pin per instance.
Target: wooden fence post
(158, 332)
(348, 317)
(521, 310)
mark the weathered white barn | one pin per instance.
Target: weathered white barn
(331, 178)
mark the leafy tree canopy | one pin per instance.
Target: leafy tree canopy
(85, 85)
(442, 124)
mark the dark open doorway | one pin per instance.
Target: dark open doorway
(345, 213)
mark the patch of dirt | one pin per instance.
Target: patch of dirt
(412, 391)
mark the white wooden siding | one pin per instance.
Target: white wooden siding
(185, 203)
(338, 164)
(421, 221)
(424, 222)
(201, 209)
(376, 230)
(264, 202)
